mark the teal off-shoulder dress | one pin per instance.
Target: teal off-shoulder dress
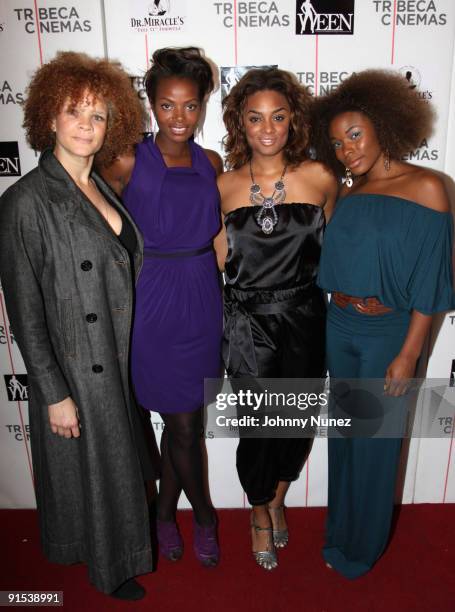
(399, 252)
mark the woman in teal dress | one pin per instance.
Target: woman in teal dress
(386, 261)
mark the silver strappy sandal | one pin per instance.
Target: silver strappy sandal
(265, 558)
(280, 536)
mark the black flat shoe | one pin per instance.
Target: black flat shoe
(130, 590)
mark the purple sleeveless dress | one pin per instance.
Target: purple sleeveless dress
(178, 317)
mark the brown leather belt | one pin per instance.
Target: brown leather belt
(369, 306)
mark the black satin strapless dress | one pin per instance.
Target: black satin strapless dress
(274, 325)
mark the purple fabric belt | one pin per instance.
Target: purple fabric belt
(177, 254)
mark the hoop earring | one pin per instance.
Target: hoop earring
(348, 178)
(386, 160)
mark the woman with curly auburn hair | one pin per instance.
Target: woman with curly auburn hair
(169, 186)
(274, 201)
(76, 73)
(386, 261)
(69, 254)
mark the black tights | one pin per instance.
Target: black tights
(182, 467)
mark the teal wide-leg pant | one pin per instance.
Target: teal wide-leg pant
(362, 471)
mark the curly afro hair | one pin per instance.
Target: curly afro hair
(238, 151)
(400, 118)
(182, 62)
(69, 77)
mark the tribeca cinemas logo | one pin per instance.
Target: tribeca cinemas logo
(138, 85)
(324, 17)
(252, 14)
(53, 20)
(160, 16)
(16, 387)
(8, 94)
(410, 12)
(18, 432)
(4, 335)
(10, 164)
(328, 80)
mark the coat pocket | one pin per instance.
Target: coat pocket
(68, 332)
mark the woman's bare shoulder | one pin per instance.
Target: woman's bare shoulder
(228, 180)
(432, 192)
(234, 189)
(426, 188)
(215, 160)
(311, 169)
(118, 174)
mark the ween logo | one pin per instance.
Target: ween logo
(324, 17)
(16, 387)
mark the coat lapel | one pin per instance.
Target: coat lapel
(63, 192)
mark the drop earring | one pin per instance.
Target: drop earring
(348, 178)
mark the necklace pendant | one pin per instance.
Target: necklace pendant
(267, 225)
(267, 216)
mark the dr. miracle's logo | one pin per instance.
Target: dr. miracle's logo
(160, 16)
(414, 78)
(324, 17)
(159, 8)
(412, 75)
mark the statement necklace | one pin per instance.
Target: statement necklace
(267, 217)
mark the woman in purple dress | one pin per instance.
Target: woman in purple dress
(169, 187)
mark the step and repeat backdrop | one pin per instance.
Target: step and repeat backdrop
(322, 42)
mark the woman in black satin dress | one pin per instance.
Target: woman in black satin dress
(274, 313)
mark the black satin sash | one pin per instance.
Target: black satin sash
(238, 345)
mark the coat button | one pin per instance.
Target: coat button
(86, 265)
(91, 317)
(97, 368)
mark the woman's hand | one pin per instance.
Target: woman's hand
(403, 367)
(64, 419)
(398, 375)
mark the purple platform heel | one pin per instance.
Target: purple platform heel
(169, 540)
(205, 544)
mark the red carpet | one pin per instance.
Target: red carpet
(415, 574)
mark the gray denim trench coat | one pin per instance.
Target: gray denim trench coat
(69, 294)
